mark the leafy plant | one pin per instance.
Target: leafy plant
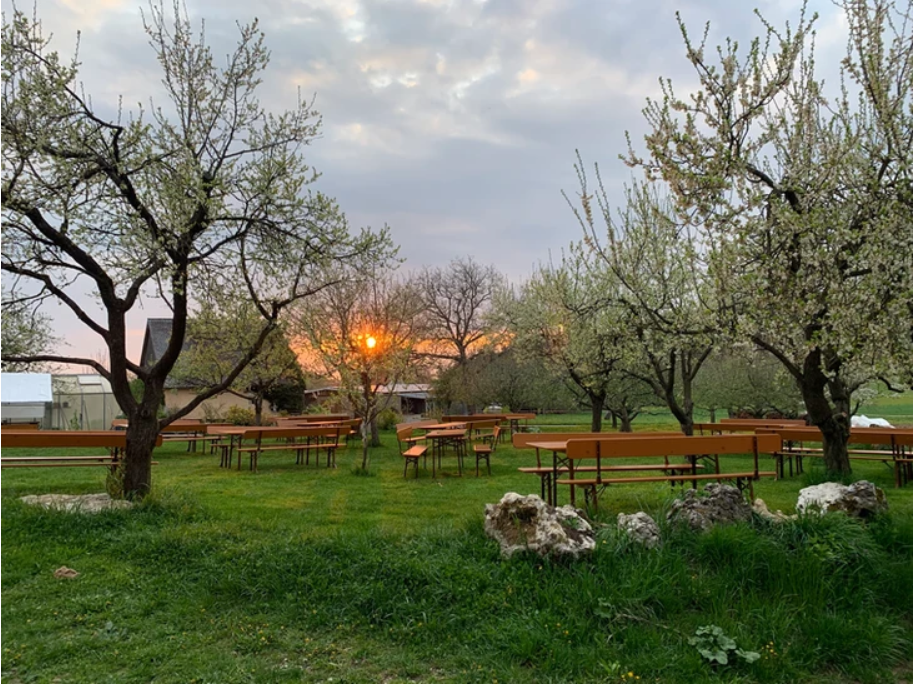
(716, 647)
(211, 413)
(240, 416)
(388, 419)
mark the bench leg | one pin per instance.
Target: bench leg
(591, 498)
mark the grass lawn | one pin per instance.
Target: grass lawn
(310, 574)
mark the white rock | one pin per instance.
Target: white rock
(528, 523)
(640, 527)
(93, 502)
(860, 499)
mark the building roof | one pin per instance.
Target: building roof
(155, 342)
(406, 390)
(25, 388)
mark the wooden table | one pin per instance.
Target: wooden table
(439, 439)
(231, 432)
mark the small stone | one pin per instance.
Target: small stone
(640, 527)
(760, 508)
(65, 573)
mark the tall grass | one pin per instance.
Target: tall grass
(308, 574)
(171, 593)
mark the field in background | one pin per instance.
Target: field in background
(896, 408)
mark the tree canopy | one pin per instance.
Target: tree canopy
(804, 194)
(203, 192)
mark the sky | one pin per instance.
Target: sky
(454, 122)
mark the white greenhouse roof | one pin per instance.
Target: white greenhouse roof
(25, 388)
(84, 384)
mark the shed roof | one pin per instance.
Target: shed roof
(17, 387)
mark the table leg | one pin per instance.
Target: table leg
(554, 502)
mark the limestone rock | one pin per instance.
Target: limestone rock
(718, 504)
(93, 502)
(520, 523)
(640, 527)
(861, 499)
(760, 508)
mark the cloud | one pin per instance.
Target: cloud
(453, 121)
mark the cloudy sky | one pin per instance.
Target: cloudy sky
(455, 122)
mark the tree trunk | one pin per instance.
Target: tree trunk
(366, 419)
(375, 434)
(833, 422)
(614, 420)
(626, 418)
(142, 433)
(713, 415)
(683, 415)
(597, 402)
(258, 411)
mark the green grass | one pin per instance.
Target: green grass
(308, 574)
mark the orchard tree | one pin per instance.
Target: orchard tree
(218, 335)
(628, 395)
(26, 332)
(456, 300)
(509, 378)
(806, 195)
(563, 315)
(746, 380)
(362, 331)
(663, 290)
(203, 190)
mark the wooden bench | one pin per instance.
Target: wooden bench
(60, 461)
(412, 456)
(744, 426)
(189, 430)
(484, 450)
(895, 454)
(549, 474)
(606, 452)
(482, 429)
(327, 438)
(115, 441)
(413, 451)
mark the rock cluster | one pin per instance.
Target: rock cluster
(520, 523)
(861, 499)
(717, 504)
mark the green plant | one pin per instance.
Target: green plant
(717, 648)
(388, 419)
(240, 416)
(211, 413)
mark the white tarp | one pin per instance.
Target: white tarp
(863, 422)
(25, 388)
